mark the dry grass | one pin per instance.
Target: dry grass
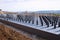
(9, 34)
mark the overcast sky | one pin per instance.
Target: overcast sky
(29, 5)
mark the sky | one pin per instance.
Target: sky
(29, 5)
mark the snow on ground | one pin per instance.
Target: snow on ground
(39, 27)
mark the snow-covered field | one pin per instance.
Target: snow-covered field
(38, 26)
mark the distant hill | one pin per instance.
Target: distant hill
(6, 12)
(49, 11)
